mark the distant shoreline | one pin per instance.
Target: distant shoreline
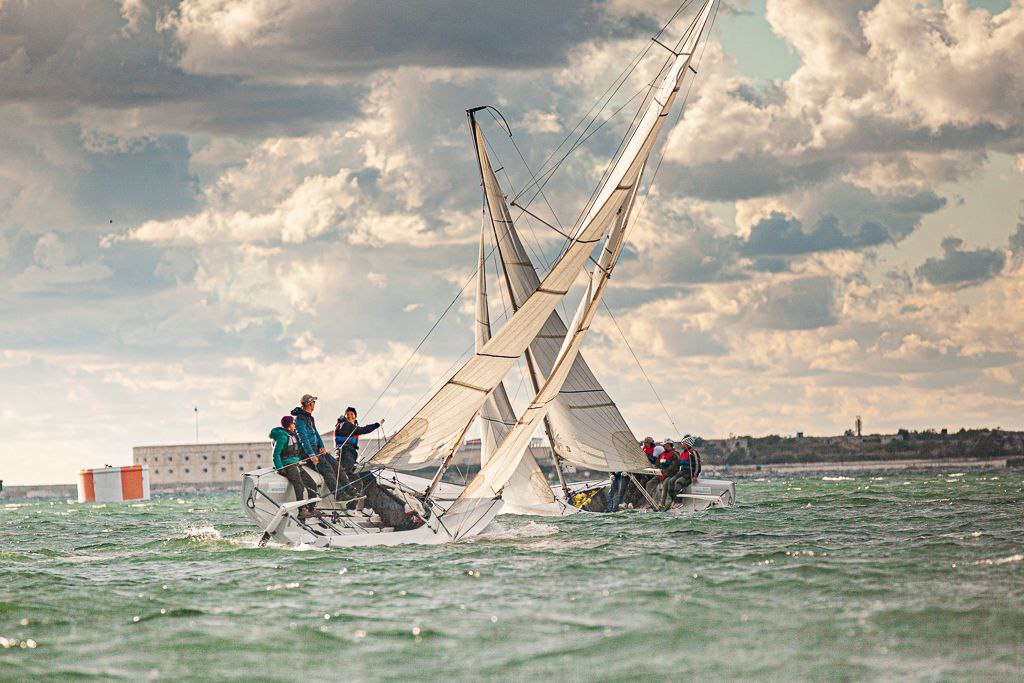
(69, 491)
(859, 466)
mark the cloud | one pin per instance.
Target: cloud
(301, 40)
(891, 95)
(961, 268)
(122, 75)
(1017, 238)
(53, 268)
(782, 235)
(798, 304)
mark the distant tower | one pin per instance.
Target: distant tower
(857, 424)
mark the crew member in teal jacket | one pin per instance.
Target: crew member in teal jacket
(288, 462)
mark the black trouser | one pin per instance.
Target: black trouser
(299, 479)
(615, 490)
(349, 456)
(674, 484)
(328, 468)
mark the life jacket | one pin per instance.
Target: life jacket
(292, 450)
(649, 452)
(666, 458)
(349, 440)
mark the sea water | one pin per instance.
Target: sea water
(917, 576)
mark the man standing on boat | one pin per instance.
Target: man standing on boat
(615, 491)
(313, 445)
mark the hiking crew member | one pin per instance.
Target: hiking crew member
(346, 437)
(693, 456)
(668, 462)
(287, 458)
(648, 449)
(676, 482)
(653, 452)
(313, 446)
(615, 491)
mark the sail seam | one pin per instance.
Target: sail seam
(468, 386)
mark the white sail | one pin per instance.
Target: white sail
(527, 485)
(585, 426)
(434, 432)
(620, 188)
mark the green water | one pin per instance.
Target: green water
(906, 576)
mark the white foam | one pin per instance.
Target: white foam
(203, 533)
(1011, 559)
(498, 531)
(837, 478)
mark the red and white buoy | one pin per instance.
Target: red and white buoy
(113, 484)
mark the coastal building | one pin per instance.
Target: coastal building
(223, 463)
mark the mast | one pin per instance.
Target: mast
(531, 363)
(613, 203)
(432, 433)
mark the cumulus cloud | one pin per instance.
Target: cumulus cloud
(783, 235)
(958, 267)
(890, 95)
(299, 40)
(1017, 238)
(282, 175)
(54, 269)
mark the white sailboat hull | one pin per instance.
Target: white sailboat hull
(268, 501)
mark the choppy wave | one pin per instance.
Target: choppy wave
(500, 531)
(803, 579)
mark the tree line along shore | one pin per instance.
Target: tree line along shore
(929, 444)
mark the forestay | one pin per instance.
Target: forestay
(585, 426)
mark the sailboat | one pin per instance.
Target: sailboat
(440, 512)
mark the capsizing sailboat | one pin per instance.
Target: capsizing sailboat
(584, 425)
(439, 512)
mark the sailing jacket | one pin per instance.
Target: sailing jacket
(286, 447)
(305, 429)
(651, 457)
(346, 434)
(671, 461)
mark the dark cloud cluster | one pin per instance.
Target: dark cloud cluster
(338, 39)
(800, 304)
(1017, 238)
(781, 235)
(959, 267)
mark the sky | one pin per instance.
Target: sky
(225, 204)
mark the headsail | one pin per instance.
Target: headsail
(527, 485)
(618, 192)
(585, 426)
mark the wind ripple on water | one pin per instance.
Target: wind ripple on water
(862, 577)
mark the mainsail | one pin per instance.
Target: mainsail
(584, 424)
(527, 485)
(617, 194)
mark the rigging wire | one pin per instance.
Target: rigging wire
(613, 89)
(536, 179)
(640, 209)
